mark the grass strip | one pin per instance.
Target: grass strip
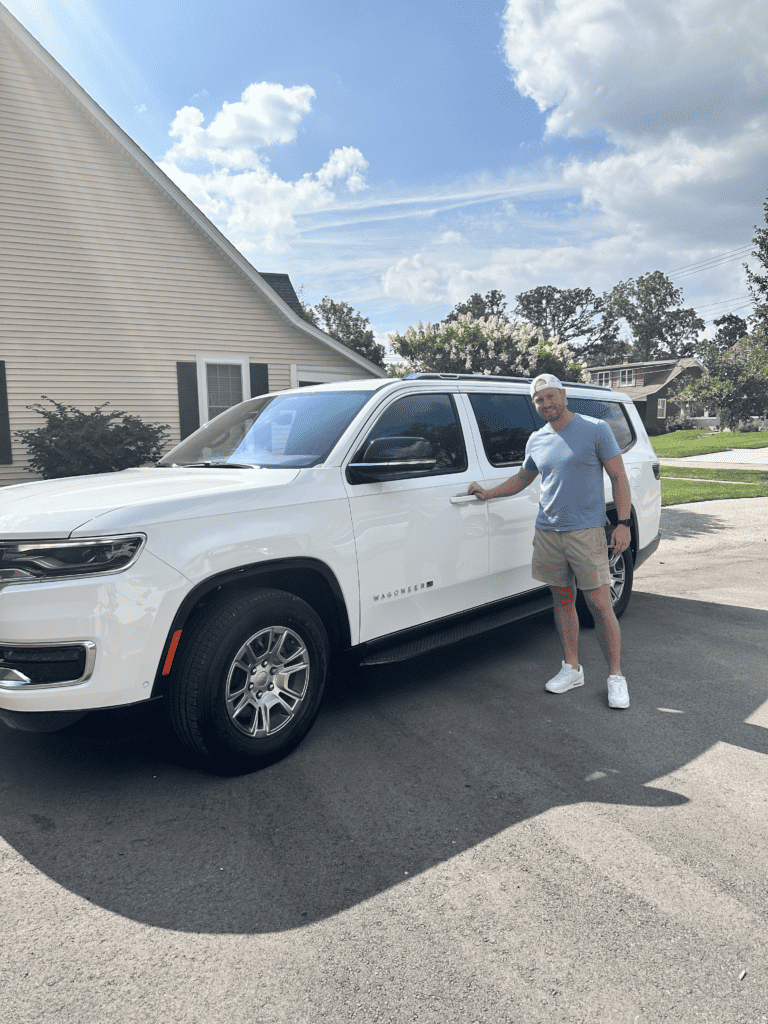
(679, 492)
(744, 476)
(681, 443)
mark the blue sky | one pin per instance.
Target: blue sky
(401, 157)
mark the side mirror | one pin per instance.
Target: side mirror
(389, 458)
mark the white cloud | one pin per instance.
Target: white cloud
(252, 204)
(679, 91)
(266, 115)
(640, 68)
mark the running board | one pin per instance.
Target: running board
(460, 631)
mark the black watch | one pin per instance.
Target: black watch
(625, 522)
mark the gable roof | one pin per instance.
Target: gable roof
(279, 297)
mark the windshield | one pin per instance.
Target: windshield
(293, 429)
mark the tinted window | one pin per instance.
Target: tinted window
(505, 423)
(432, 417)
(291, 429)
(612, 412)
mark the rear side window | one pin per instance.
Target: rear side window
(612, 412)
(505, 423)
(431, 417)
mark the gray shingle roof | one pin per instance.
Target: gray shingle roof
(281, 284)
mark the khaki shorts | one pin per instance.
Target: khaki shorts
(558, 556)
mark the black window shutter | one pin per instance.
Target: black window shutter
(6, 458)
(259, 379)
(189, 409)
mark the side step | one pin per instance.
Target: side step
(459, 631)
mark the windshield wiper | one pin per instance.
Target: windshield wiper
(208, 465)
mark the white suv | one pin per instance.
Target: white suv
(297, 525)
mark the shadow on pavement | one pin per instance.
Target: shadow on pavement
(687, 521)
(407, 766)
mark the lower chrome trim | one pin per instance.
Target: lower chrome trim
(12, 679)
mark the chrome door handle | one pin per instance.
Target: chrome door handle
(464, 499)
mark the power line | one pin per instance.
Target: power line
(745, 306)
(729, 252)
(723, 302)
(710, 266)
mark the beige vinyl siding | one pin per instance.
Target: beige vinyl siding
(105, 283)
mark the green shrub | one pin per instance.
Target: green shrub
(72, 442)
(654, 431)
(749, 428)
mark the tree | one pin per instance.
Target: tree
(477, 306)
(735, 382)
(72, 442)
(583, 320)
(730, 329)
(488, 345)
(567, 312)
(651, 307)
(346, 325)
(757, 282)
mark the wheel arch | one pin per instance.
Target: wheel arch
(308, 578)
(613, 515)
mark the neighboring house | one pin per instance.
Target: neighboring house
(650, 385)
(114, 287)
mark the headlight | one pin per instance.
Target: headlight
(25, 561)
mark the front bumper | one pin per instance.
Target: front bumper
(120, 621)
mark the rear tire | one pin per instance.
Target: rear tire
(248, 679)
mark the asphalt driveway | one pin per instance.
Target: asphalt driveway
(451, 843)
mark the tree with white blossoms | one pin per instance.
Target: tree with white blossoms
(487, 345)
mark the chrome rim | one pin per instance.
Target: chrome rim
(618, 577)
(267, 682)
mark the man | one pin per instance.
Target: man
(570, 452)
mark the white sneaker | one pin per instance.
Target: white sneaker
(618, 694)
(566, 679)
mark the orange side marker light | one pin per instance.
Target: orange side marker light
(171, 652)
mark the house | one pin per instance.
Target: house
(114, 286)
(650, 385)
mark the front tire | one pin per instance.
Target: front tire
(248, 679)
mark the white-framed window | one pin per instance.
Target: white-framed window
(223, 380)
(661, 408)
(626, 378)
(602, 377)
(304, 376)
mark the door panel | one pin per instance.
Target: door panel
(503, 425)
(420, 555)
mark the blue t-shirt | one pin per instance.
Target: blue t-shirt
(571, 466)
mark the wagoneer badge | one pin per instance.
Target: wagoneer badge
(403, 590)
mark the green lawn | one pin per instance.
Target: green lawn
(744, 476)
(682, 443)
(678, 492)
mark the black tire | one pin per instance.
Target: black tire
(622, 576)
(248, 679)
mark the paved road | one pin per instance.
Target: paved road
(450, 844)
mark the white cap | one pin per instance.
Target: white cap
(544, 380)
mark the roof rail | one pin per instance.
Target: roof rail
(464, 376)
(494, 377)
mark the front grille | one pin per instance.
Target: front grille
(45, 664)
